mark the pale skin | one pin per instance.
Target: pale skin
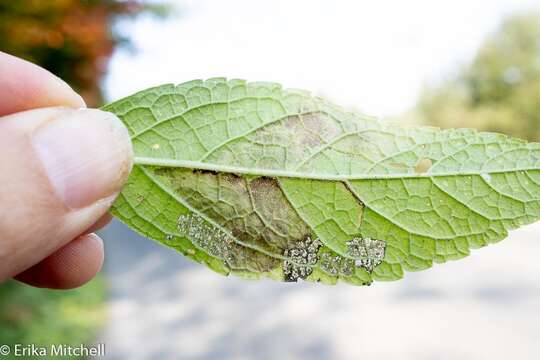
(61, 167)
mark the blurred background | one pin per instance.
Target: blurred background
(464, 63)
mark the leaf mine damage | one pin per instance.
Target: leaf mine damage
(253, 210)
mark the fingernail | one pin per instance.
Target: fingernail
(61, 89)
(86, 154)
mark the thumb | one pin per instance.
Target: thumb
(60, 170)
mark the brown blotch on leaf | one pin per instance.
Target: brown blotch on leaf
(283, 228)
(263, 185)
(232, 179)
(310, 130)
(423, 165)
(400, 166)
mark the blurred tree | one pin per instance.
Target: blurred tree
(499, 90)
(71, 38)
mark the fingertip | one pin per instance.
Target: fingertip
(71, 266)
(27, 86)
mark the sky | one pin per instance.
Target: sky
(372, 56)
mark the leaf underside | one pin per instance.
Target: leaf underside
(255, 180)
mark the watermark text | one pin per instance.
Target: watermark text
(56, 350)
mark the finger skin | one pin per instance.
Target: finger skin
(34, 219)
(101, 223)
(25, 86)
(34, 222)
(69, 267)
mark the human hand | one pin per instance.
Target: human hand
(61, 166)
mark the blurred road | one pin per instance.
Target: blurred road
(163, 306)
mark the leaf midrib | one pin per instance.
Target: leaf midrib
(197, 165)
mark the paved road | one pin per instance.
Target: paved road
(163, 306)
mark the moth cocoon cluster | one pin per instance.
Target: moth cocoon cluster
(334, 264)
(368, 252)
(214, 241)
(301, 259)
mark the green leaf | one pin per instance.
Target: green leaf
(255, 180)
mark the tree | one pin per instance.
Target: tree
(71, 38)
(499, 90)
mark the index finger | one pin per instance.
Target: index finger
(25, 86)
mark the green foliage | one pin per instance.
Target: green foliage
(43, 317)
(252, 179)
(499, 90)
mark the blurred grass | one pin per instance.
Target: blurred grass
(44, 317)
